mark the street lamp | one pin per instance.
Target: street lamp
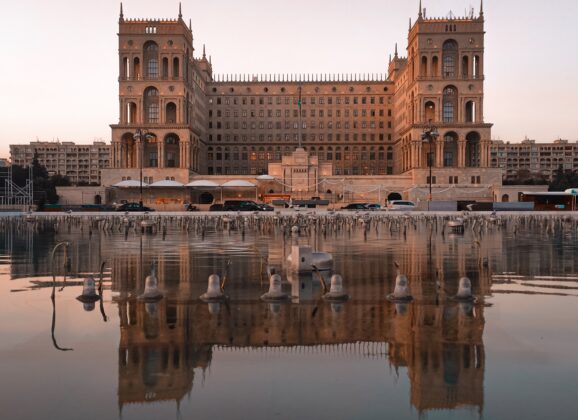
(430, 134)
(141, 135)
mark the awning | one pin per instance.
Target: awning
(202, 183)
(238, 183)
(265, 178)
(130, 183)
(166, 183)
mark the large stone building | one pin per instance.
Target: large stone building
(81, 163)
(368, 127)
(531, 160)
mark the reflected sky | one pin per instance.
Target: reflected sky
(365, 358)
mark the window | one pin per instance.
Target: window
(449, 59)
(450, 99)
(453, 180)
(151, 105)
(433, 180)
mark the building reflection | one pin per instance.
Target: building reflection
(164, 346)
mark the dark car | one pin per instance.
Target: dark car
(241, 205)
(216, 207)
(355, 206)
(133, 207)
(266, 207)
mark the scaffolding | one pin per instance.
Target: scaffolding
(13, 196)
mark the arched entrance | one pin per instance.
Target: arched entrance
(473, 150)
(394, 196)
(505, 198)
(172, 156)
(206, 198)
(450, 150)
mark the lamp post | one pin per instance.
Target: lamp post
(430, 134)
(141, 135)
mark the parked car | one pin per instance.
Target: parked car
(374, 207)
(216, 207)
(133, 207)
(241, 205)
(401, 205)
(266, 207)
(355, 206)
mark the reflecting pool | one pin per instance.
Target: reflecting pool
(510, 353)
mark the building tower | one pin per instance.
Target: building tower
(161, 91)
(441, 83)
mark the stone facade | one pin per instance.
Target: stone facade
(79, 162)
(362, 125)
(529, 159)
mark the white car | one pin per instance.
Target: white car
(401, 205)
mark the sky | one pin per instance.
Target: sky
(60, 68)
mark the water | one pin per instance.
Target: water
(509, 354)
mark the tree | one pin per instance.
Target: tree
(60, 180)
(563, 180)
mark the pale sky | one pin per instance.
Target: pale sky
(60, 64)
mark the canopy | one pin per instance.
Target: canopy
(238, 183)
(202, 183)
(130, 183)
(265, 178)
(166, 183)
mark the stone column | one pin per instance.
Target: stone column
(439, 151)
(484, 153)
(461, 153)
(159, 151)
(162, 154)
(139, 154)
(187, 155)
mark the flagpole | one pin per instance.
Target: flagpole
(299, 106)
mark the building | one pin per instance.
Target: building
(81, 163)
(530, 160)
(368, 128)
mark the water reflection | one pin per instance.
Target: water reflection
(165, 347)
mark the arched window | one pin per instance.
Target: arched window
(450, 101)
(423, 70)
(430, 111)
(131, 113)
(126, 67)
(176, 70)
(449, 59)
(136, 68)
(151, 59)
(151, 105)
(450, 150)
(434, 66)
(473, 150)
(465, 66)
(165, 73)
(470, 112)
(171, 113)
(477, 68)
(505, 198)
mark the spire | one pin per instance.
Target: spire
(419, 15)
(395, 56)
(481, 8)
(204, 54)
(191, 25)
(121, 16)
(410, 24)
(180, 11)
